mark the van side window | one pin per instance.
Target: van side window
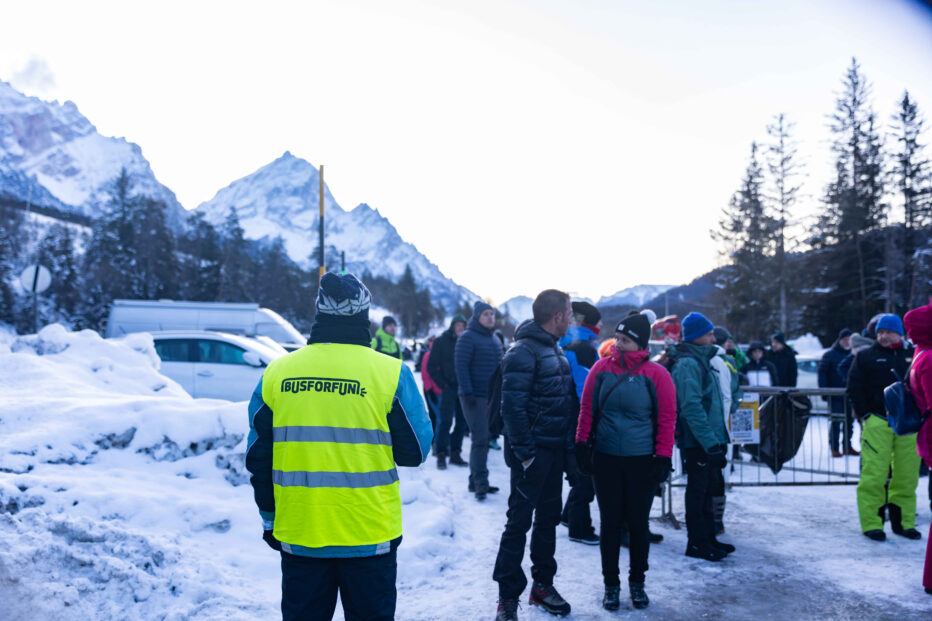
(219, 352)
(174, 350)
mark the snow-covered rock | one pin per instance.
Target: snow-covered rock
(52, 154)
(282, 199)
(633, 296)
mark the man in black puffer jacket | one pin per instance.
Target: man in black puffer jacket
(539, 413)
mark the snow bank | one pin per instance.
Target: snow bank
(807, 345)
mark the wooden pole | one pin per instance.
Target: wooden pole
(323, 268)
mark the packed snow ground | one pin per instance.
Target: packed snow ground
(122, 497)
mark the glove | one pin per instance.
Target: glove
(270, 539)
(584, 458)
(572, 470)
(661, 467)
(716, 457)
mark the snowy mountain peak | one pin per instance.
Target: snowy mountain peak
(51, 148)
(634, 296)
(282, 199)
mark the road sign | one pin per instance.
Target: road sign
(34, 282)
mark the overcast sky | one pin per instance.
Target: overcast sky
(584, 145)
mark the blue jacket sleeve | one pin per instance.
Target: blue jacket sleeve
(578, 371)
(259, 456)
(409, 423)
(462, 357)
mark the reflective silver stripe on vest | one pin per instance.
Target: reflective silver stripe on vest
(301, 478)
(343, 435)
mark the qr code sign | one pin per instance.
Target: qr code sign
(742, 421)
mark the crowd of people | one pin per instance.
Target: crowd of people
(606, 418)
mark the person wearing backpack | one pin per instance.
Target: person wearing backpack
(539, 414)
(701, 433)
(625, 438)
(919, 328)
(882, 451)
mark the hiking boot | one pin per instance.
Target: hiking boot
(909, 533)
(705, 551)
(852, 452)
(507, 610)
(441, 461)
(480, 496)
(590, 538)
(727, 548)
(638, 596)
(457, 460)
(654, 537)
(610, 599)
(493, 444)
(545, 596)
(876, 535)
(489, 489)
(837, 453)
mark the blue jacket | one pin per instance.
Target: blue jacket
(581, 352)
(475, 358)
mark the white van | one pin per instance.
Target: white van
(127, 316)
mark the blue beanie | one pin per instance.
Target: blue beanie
(696, 325)
(892, 323)
(342, 295)
(479, 307)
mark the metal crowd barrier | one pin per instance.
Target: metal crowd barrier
(811, 463)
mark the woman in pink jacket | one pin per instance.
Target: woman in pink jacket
(919, 328)
(627, 417)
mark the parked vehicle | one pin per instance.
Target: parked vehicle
(214, 365)
(127, 316)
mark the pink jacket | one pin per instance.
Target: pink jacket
(618, 362)
(429, 383)
(918, 324)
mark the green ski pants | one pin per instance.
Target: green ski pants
(881, 450)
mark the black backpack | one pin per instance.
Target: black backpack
(494, 402)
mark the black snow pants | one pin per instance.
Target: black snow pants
(625, 490)
(536, 492)
(701, 486)
(366, 586)
(576, 510)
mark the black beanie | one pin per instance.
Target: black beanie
(636, 327)
(591, 315)
(388, 320)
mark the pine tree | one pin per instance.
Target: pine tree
(911, 171)
(156, 273)
(201, 260)
(783, 165)
(236, 264)
(57, 253)
(11, 238)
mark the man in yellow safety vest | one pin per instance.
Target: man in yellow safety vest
(327, 426)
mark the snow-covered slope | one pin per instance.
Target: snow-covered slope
(518, 308)
(633, 296)
(282, 197)
(54, 149)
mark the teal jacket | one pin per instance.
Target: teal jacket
(700, 420)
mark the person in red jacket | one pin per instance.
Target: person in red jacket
(624, 437)
(919, 328)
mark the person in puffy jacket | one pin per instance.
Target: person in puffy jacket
(784, 358)
(759, 372)
(701, 434)
(442, 370)
(919, 328)
(475, 358)
(883, 453)
(539, 415)
(628, 416)
(830, 377)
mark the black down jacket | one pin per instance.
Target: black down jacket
(538, 398)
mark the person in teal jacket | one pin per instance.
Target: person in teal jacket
(384, 339)
(701, 433)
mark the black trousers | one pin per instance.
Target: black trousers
(625, 490)
(840, 431)
(576, 510)
(701, 485)
(450, 410)
(536, 492)
(366, 586)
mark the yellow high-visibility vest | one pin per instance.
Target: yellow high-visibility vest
(332, 465)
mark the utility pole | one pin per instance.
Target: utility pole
(323, 267)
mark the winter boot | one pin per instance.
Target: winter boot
(705, 551)
(507, 610)
(837, 453)
(638, 597)
(853, 452)
(727, 548)
(896, 523)
(545, 596)
(589, 538)
(610, 599)
(457, 460)
(876, 535)
(654, 537)
(494, 445)
(441, 461)
(490, 489)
